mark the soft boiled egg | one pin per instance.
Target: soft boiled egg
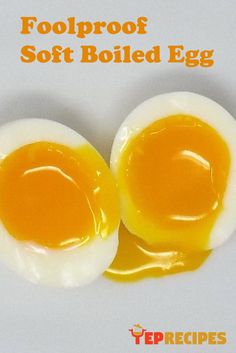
(174, 158)
(59, 209)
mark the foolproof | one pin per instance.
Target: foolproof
(82, 28)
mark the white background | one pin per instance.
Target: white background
(94, 99)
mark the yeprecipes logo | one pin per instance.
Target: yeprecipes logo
(142, 336)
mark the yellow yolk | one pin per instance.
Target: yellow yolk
(136, 259)
(56, 196)
(172, 177)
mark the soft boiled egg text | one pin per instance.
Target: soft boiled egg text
(59, 211)
(174, 159)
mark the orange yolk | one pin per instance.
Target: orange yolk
(136, 259)
(172, 177)
(56, 196)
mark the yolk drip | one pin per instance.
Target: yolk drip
(172, 177)
(56, 196)
(136, 259)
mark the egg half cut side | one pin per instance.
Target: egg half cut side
(174, 158)
(59, 208)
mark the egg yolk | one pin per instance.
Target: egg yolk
(172, 177)
(136, 259)
(56, 196)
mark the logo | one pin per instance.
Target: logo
(141, 335)
(149, 337)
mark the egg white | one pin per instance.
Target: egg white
(70, 267)
(208, 111)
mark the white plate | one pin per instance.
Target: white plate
(94, 99)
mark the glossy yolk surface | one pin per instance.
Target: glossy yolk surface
(136, 259)
(56, 196)
(172, 177)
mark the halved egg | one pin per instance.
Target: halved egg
(59, 209)
(174, 158)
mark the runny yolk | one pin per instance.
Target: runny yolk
(56, 196)
(136, 259)
(172, 177)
